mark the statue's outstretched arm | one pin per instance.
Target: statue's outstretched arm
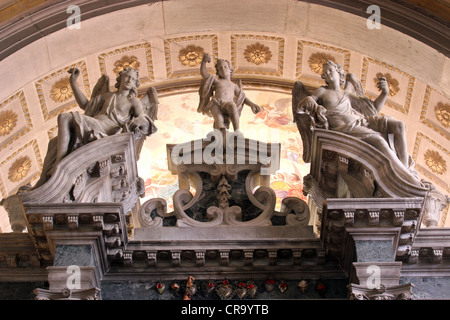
(80, 98)
(383, 86)
(251, 104)
(203, 72)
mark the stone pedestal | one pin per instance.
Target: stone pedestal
(73, 276)
(371, 241)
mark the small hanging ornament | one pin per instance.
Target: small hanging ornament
(321, 288)
(187, 295)
(303, 286)
(269, 285)
(241, 290)
(175, 287)
(160, 287)
(282, 286)
(209, 288)
(224, 291)
(251, 289)
(190, 286)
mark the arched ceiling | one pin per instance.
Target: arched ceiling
(162, 39)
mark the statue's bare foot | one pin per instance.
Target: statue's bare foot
(239, 132)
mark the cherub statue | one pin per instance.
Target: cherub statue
(220, 97)
(105, 114)
(349, 111)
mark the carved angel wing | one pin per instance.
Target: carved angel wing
(299, 92)
(302, 119)
(354, 85)
(358, 98)
(94, 105)
(205, 92)
(150, 103)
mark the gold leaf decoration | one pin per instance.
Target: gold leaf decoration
(126, 62)
(61, 90)
(191, 55)
(392, 83)
(435, 162)
(257, 53)
(318, 59)
(8, 120)
(442, 111)
(19, 169)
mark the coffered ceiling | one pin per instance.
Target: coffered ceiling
(270, 44)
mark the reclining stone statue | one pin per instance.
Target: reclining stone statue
(349, 111)
(220, 97)
(105, 114)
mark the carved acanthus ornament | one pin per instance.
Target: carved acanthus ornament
(257, 54)
(191, 55)
(126, 62)
(19, 169)
(8, 120)
(401, 292)
(224, 193)
(317, 59)
(61, 91)
(442, 111)
(435, 162)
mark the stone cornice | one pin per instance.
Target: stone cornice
(43, 20)
(46, 19)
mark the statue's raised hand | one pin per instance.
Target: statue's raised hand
(74, 74)
(383, 85)
(206, 58)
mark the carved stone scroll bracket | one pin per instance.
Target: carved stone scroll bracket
(152, 258)
(200, 258)
(180, 199)
(224, 160)
(400, 292)
(159, 207)
(265, 196)
(295, 210)
(227, 216)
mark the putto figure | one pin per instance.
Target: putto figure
(220, 97)
(105, 114)
(349, 111)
